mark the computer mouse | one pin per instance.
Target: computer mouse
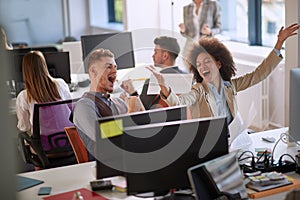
(269, 139)
(84, 83)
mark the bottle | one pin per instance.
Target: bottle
(77, 196)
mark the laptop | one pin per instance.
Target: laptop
(218, 177)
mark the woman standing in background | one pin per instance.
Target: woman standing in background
(201, 18)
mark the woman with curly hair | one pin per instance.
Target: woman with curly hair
(214, 92)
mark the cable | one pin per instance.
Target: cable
(263, 154)
(244, 153)
(252, 157)
(245, 158)
(273, 150)
(282, 138)
(280, 159)
(268, 161)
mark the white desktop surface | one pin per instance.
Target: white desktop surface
(281, 147)
(64, 179)
(73, 177)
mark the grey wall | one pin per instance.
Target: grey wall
(7, 168)
(32, 21)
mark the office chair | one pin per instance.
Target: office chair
(77, 144)
(48, 146)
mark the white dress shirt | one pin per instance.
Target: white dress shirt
(24, 109)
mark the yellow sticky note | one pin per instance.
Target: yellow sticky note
(111, 128)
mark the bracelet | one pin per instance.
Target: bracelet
(135, 94)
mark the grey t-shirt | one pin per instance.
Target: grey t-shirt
(86, 113)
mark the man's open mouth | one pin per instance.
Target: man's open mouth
(112, 78)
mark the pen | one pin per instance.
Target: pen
(138, 79)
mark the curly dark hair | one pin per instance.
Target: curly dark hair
(218, 51)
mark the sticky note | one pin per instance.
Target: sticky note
(111, 128)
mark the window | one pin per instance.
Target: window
(254, 22)
(273, 17)
(107, 14)
(115, 11)
(234, 16)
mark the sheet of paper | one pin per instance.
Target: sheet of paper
(238, 129)
(179, 83)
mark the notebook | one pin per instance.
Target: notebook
(24, 182)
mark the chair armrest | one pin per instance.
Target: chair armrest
(23, 148)
(27, 155)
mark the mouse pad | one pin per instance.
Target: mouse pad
(23, 183)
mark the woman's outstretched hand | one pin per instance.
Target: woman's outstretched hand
(161, 81)
(285, 33)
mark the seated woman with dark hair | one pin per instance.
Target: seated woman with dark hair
(40, 87)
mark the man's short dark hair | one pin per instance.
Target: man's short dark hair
(169, 44)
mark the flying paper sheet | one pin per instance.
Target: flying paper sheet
(179, 83)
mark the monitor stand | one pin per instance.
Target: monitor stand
(165, 195)
(178, 197)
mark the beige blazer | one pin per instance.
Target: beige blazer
(201, 100)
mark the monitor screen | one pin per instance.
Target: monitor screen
(294, 125)
(58, 64)
(42, 49)
(138, 118)
(120, 44)
(16, 56)
(220, 176)
(156, 157)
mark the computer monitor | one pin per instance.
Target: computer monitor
(221, 176)
(138, 118)
(42, 49)
(294, 117)
(58, 64)
(156, 157)
(120, 44)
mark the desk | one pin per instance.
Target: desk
(65, 179)
(281, 147)
(73, 177)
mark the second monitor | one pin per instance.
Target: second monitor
(58, 64)
(120, 44)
